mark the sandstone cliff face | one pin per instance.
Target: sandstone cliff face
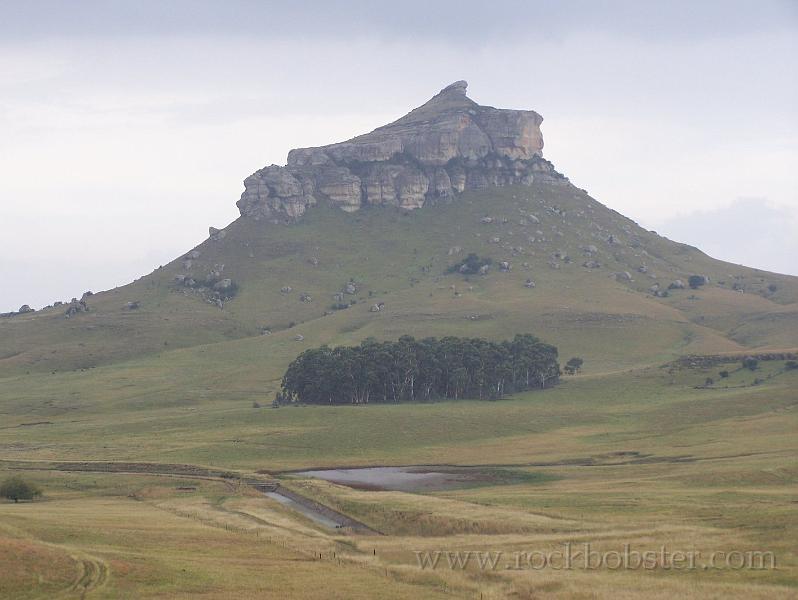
(440, 149)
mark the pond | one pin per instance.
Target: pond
(406, 479)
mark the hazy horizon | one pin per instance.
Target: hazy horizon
(127, 130)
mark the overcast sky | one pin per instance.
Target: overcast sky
(126, 128)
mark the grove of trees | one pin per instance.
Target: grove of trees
(409, 370)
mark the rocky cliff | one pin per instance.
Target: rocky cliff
(446, 146)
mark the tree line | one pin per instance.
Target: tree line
(409, 370)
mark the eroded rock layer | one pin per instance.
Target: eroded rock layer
(440, 149)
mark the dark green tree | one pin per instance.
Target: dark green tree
(15, 488)
(573, 365)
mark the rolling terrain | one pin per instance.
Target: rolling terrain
(639, 448)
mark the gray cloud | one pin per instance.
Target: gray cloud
(460, 21)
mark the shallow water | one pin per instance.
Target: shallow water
(402, 479)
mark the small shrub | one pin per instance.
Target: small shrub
(708, 382)
(749, 362)
(791, 365)
(696, 281)
(723, 374)
(470, 265)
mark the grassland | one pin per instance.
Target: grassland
(644, 458)
(632, 451)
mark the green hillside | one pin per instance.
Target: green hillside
(606, 314)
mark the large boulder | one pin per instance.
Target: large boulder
(76, 307)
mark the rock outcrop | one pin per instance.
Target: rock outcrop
(440, 149)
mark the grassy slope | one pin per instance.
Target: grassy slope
(399, 258)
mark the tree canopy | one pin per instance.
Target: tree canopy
(573, 365)
(15, 488)
(411, 370)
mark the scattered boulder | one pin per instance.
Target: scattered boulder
(350, 288)
(25, 309)
(529, 284)
(305, 298)
(677, 284)
(377, 307)
(486, 220)
(455, 250)
(504, 266)
(223, 285)
(286, 289)
(642, 269)
(591, 264)
(624, 276)
(134, 305)
(314, 261)
(483, 270)
(299, 337)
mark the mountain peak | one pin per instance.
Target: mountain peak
(458, 87)
(440, 149)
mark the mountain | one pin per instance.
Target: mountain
(357, 238)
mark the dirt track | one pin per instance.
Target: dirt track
(189, 471)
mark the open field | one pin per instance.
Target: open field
(644, 458)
